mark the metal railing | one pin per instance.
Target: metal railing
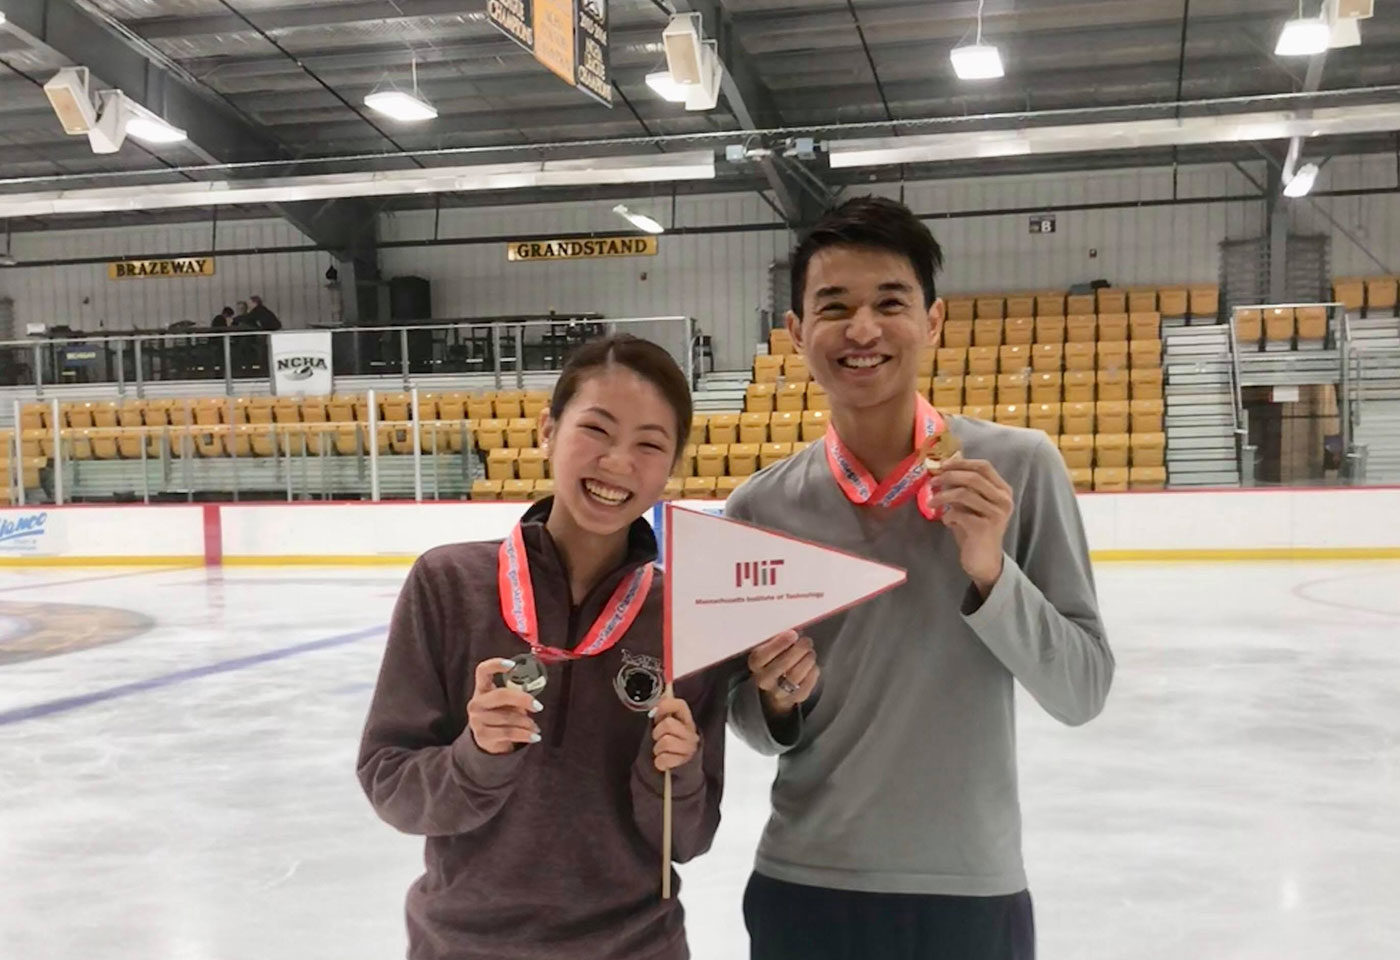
(504, 348)
(1244, 453)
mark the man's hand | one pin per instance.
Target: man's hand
(977, 506)
(786, 672)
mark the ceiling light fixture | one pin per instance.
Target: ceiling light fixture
(977, 60)
(401, 105)
(1304, 36)
(639, 220)
(1301, 183)
(665, 87)
(683, 40)
(149, 127)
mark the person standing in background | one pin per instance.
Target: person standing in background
(262, 318)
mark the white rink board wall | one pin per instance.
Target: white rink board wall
(1220, 524)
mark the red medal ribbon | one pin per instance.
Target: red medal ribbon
(518, 604)
(909, 479)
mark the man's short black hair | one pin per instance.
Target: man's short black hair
(874, 223)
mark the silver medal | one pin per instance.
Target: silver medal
(527, 675)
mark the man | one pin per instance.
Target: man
(895, 830)
(222, 319)
(261, 318)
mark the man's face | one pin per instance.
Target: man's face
(863, 323)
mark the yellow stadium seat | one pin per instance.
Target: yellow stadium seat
(397, 408)
(724, 486)
(1080, 304)
(1113, 355)
(1173, 302)
(1147, 478)
(675, 489)
(685, 466)
(1081, 328)
(982, 360)
(1109, 300)
(795, 369)
(1077, 418)
(340, 408)
(780, 342)
(961, 308)
(784, 426)
(1049, 305)
(1312, 325)
(480, 407)
(292, 439)
(753, 428)
(1113, 384)
(212, 411)
(710, 459)
(724, 428)
(501, 463)
(816, 397)
(77, 415)
(986, 332)
(699, 429)
(952, 362)
(1050, 329)
(1080, 356)
(1048, 357)
(1079, 386)
(979, 411)
(791, 397)
(928, 357)
(540, 489)
(509, 405)
(991, 308)
(957, 333)
(767, 368)
(1111, 450)
(487, 489)
(534, 403)
(532, 464)
(1111, 416)
(349, 439)
(1249, 328)
(771, 453)
(33, 416)
(1077, 450)
(31, 442)
(1148, 449)
(1142, 301)
(104, 413)
(1083, 479)
(1146, 384)
(1045, 417)
(1145, 416)
(1279, 325)
(1110, 479)
(1113, 327)
(1145, 353)
(129, 440)
(1020, 331)
(742, 459)
(102, 444)
(980, 391)
(1012, 414)
(132, 413)
(491, 434)
(211, 441)
(1350, 292)
(1046, 386)
(1204, 301)
(520, 433)
(320, 438)
(1380, 295)
(923, 386)
(282, 411)
(759, 397)
(517, 489)
(1145, 326)
(182, 413)
(814, 425)
(948, 391)
(1015, 358)
(1019, 308)
(699, 488)
(1013, 388)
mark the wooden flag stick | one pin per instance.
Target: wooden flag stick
(666, 823)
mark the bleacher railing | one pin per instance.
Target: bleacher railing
(503, 350)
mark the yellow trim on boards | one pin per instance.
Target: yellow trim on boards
(329, 560)
(1232, 555)
(39, 561)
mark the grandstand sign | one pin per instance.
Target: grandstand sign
(569, 37)
(301, 363)
(593, 248)
(178, 267)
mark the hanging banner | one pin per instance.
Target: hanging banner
(591, 249)
(730, 586)
(569, 37)
(178, 267)
(301, 363)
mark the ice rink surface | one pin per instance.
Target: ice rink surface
(178, 772)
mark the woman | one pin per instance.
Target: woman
(520, 721)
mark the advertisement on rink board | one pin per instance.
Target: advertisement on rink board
(30, 534)
(301, 363)
(569, 37)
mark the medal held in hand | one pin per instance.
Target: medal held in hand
(528, 675)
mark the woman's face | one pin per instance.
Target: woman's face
(612, 449)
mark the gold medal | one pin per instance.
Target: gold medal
(946, 446)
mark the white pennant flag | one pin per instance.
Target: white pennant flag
(730, 586)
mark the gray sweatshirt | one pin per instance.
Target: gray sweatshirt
(899, 776)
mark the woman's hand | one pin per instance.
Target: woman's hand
(499, 717)
(675, 741)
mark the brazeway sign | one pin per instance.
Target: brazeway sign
(180, 267)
